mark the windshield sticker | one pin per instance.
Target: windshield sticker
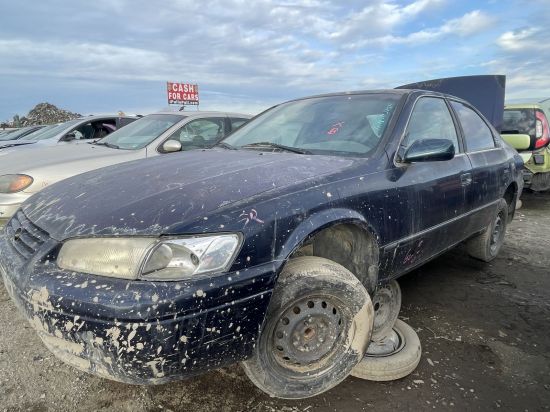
(335, 128)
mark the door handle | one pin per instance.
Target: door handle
(466, 179)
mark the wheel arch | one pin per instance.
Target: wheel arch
(511, 196)
(341, 235)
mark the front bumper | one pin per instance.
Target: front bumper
(136, 331)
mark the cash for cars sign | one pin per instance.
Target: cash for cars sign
(183, 93)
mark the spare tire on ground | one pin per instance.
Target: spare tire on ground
(400, 360)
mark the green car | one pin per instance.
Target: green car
(525, 127)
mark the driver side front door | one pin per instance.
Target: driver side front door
(430, 194)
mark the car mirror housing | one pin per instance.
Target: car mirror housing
(171, 145)
(69, 137)
(429, 150)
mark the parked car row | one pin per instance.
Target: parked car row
(273, 246)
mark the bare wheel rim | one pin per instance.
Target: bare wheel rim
(390, 345)
(498, 233)
(386, 303)
(308, 336)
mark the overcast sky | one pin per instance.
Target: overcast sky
(108, 55)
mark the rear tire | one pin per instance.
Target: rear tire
(317, 328)
(486, 245)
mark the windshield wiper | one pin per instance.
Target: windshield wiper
(112, 146)
(225, 146)
(276, 146)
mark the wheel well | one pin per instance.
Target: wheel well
(510, 195)
(349, 245)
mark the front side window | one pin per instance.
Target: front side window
(54, 131)
(200, 133)
(431, 119)
(339, 125)
(143, 131)
(477, 134)
(237, 122)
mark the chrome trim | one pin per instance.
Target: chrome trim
(396, 243)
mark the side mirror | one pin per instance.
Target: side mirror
(429, 150)
(69, 137)
(171, 146)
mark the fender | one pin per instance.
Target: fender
(314, 224)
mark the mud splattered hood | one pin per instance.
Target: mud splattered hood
(149, 196)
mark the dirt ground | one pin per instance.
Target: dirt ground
(484, 328)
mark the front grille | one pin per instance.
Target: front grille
(25, 237)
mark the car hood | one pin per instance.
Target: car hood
(148, 197)
(17, 142)
(47, 165)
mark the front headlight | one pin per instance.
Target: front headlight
(150, 258)
(14, 183)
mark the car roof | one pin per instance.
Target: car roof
(522, 106)
(103, 116)
(399, 92)
(202, 113)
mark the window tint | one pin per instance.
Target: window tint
(431, 119)
(200, 133)
(477, 134)
(236, 122)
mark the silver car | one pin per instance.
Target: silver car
(25, 172)
(84, 128)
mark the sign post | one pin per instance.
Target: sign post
(183, 94)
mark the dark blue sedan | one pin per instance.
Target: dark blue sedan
(266, 249)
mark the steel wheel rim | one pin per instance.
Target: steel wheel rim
(307, 334)
(384, 303)
(401, 342)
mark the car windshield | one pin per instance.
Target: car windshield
(54, 131)
(16, 134)
(519, 121)
(140, 133)
(341, 125)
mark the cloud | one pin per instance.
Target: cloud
(243, 54)
(469, 24)
(525, 40)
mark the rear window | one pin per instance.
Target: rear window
(519, 121)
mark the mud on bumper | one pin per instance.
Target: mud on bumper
(149, 350)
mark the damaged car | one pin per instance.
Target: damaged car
(279, 248)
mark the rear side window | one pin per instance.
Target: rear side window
(519, 121)
(431, 119)
(477, 134)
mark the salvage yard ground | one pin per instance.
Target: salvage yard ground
(485, 332)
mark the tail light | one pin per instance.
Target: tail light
(542, 134)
